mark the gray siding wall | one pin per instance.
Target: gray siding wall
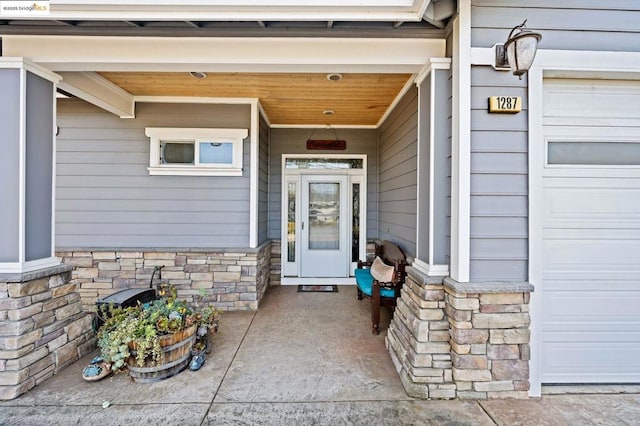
(106, 197)
(9, 164)
(39, 168)
(441, 143)
(442, 153)
(499, 181)
(263, 182)
(293, 141)
(424, 165)
(398, 137)
(566, 25)
(499, 209)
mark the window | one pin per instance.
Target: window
(195, 152)
(593, 153)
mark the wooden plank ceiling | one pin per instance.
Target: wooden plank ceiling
(296, 99)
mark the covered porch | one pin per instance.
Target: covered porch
(130, 187)
(303, 358)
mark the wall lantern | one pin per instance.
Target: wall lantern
(519, 51)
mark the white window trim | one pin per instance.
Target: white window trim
(195, 136)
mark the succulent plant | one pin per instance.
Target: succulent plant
(137, 330)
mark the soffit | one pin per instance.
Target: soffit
(287, 98)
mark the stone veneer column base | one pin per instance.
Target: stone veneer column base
(489, 325)
(232, 279)
(42, 328)
(418, 338)
(461, 340)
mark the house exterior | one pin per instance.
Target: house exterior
(141, 164)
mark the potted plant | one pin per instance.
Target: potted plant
(144, 337)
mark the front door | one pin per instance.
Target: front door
(325, 242)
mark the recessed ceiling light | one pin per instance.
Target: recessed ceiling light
(334, 77)
(198, 74)
(328, 112)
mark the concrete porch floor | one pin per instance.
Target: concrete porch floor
(303, 358)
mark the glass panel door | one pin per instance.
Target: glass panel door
(325, 238)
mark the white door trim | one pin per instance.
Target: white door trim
(580, 64)
(290, 272)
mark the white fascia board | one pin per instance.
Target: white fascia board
(300, 10)
(226, 54)
(99, 91)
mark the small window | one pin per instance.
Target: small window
(196, 152)
(593, 153)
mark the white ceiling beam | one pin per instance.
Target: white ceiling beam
(98, 91)
(227, 54)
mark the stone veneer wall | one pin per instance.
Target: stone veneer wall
(42, 328)
(456, 340)
(489, 340)
(232, 279)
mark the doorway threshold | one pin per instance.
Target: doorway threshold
(318, 281)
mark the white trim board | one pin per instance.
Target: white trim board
(254, 136)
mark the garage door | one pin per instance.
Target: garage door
(591, 237)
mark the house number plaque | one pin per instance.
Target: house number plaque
(505, 104)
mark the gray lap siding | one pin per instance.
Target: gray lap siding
(499, 143)
(105, 196)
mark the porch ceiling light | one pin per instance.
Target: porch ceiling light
(328, 112)
(334, 77)
(198, 74)
(519, 51)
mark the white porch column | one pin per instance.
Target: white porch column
(461, 144)
(27, 166)
(434, 91)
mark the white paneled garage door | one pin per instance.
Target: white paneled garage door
(590, 325)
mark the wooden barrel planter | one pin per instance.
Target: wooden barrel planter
(176, 355)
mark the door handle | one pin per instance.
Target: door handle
(302, 223)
